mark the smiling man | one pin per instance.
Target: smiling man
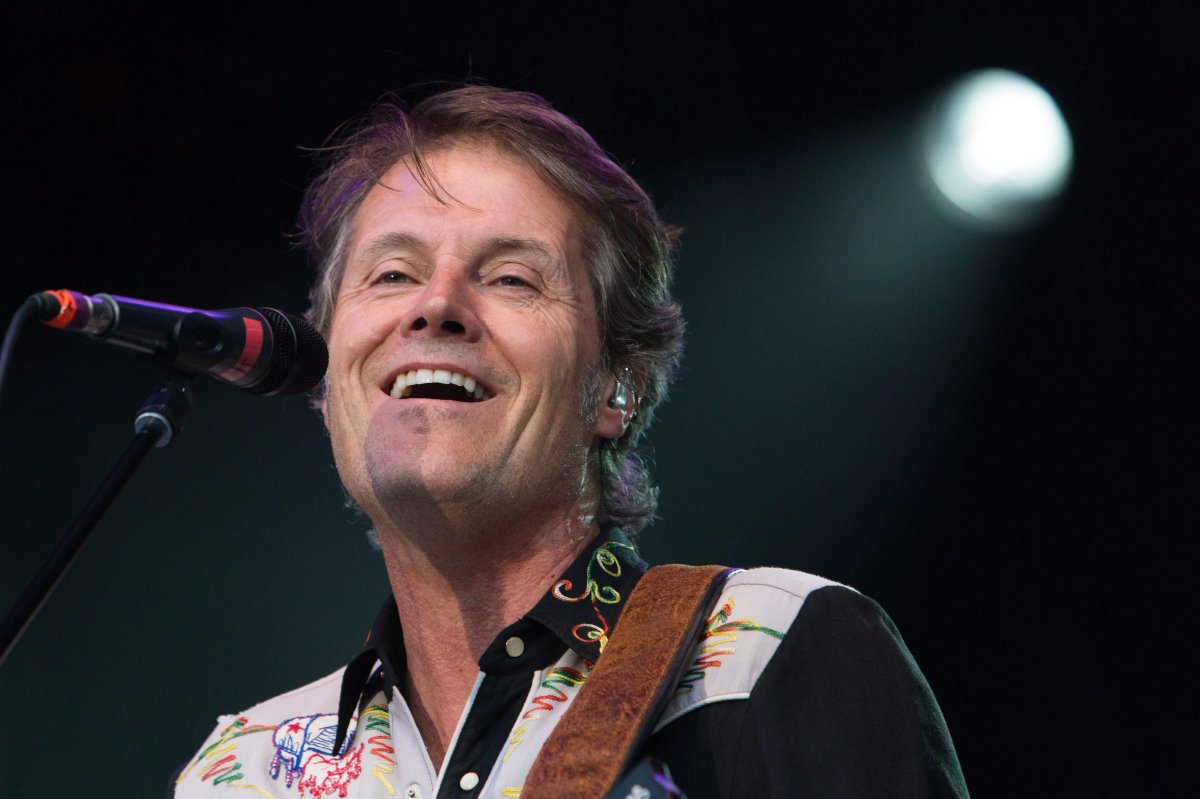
(496, 296)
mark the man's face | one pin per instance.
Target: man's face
(486, 289)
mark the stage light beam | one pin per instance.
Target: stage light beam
(997, 148)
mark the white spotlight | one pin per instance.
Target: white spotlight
(997, 148)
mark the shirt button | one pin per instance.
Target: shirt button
(413, 792)
(515, 647)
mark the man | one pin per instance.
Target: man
(495, 293)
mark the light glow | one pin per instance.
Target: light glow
(997, 148)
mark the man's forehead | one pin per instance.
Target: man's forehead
(474, 187)
(461, 184)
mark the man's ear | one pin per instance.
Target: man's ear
(619, 407)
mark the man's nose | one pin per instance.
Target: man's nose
(446, 307)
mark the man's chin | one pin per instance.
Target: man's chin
(408, 487)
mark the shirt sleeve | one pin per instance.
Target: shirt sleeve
(842, 710)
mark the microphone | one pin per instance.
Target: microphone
(261, 350)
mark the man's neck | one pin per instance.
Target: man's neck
(455, 591)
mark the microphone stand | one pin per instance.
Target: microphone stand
(158, 422)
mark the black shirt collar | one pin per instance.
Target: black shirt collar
(578, 612)
(582, 607)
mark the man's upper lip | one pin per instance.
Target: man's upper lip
(434, 367)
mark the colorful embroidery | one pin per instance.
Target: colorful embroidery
(516, 739)
(221, 765)
(561, 676)
(375, 719)
(261, 792)
(564, 676)
(304, 747)
(719, 631)
(609, 564)
(324, 774)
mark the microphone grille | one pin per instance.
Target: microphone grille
(313, 355)
(300, 357)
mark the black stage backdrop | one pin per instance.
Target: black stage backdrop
(993, 435)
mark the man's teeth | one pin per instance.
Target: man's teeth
(402, 388)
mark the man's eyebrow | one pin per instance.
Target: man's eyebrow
(501, 245)
(386, 242)
(514, 244)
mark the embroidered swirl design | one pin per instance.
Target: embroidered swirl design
(220, 762)
(559, 681)
(606, 563)
(719, 632)
(377, 721)
(563, 676)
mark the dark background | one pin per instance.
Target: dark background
(993, 435)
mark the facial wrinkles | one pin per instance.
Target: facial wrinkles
(573, 458)
(553, 426)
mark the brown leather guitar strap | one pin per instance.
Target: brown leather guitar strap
(615, 711)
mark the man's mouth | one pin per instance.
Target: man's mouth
(441, 384)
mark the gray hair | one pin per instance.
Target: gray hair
(626, 246)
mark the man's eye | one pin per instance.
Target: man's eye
(392, 277)
(512, 281)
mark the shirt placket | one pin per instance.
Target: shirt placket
(484, 730)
